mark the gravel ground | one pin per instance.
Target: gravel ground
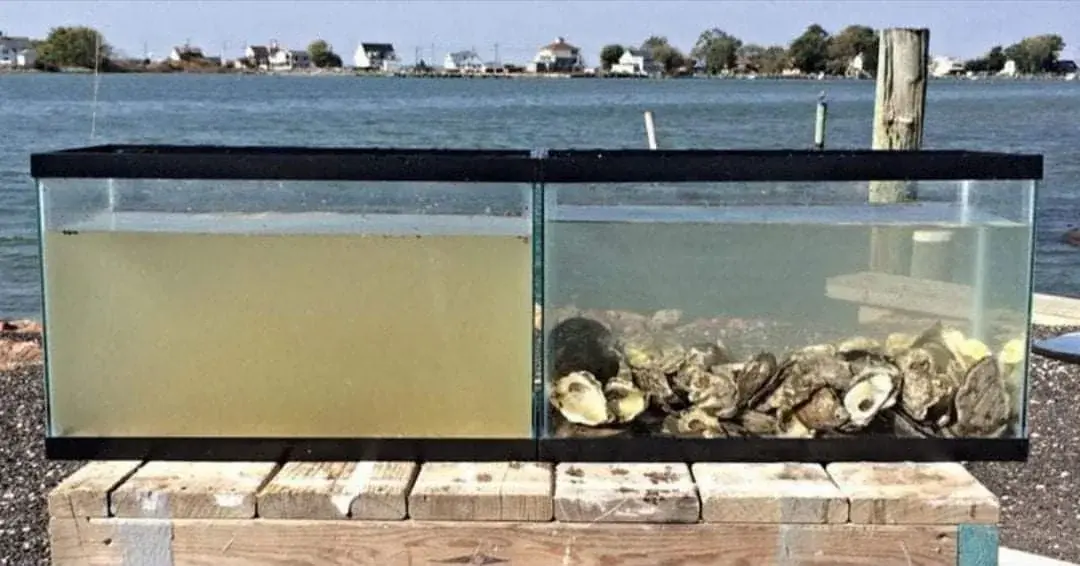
(1040, 499)
(1041, 502)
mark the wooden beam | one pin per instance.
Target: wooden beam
(768, 493)
(120, 542)
(168, 513)
(482, 491)
(338, 490)
(191, 490)
(632, 493)
(914, 493)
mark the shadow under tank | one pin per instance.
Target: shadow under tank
(755, 306)
(267, 303)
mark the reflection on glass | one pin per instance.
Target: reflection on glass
(781, 310)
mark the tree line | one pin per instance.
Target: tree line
(85, 48)
(715, 52)
(817, 51)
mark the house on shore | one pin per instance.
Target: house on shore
(186, 53)
(464, 62)
(946, 67)
(281, 59)
(375, 57)
(257, 57)
(558, 57)
(637, 62)
(17, 52)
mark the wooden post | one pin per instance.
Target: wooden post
(899, 113)
(819, 122)
(900, 102)
(650, 129)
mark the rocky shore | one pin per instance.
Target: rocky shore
(1041, 505)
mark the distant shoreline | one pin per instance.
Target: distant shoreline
(351, 73)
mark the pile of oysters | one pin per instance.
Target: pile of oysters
(643, 381)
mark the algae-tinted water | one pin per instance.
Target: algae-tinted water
(290, 325)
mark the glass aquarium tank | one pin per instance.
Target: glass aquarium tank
(264, 303)
(785, 305)
(260, 303)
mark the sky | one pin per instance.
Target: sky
(516, 28)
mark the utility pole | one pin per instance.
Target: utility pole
(497, 53)
(432, 52)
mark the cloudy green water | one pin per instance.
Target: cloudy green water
(42, 112)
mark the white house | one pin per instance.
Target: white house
(558, 57)
(17, 52)
(637, 62)
(1009, 70)
(463, 62)
(946, 67)
(185, 53)
(288, 59)
(375, 57)
(258, 56)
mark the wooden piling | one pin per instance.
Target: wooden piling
(899, 117)
(900, 102)
(819, 122)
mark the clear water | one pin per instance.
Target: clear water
(778, 278)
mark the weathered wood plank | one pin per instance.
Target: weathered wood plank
(902, 293)
(85, 493)
(482, 491)
(108, 542)
(768, 493)
(1055, 310)
(338, 490)
(192, 490)
(616, 493)
(914, 493)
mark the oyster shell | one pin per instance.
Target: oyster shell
(897, 342)
(757, 379)
(583, 344)
(644, 351)
(715, 394)
(858, 346)
(941, 343)
(1009, 366)
(925, 393)
(759, 424)
(970, 351)
(656, 387)
(580, 399)
(823, 411)
(707, 354)
(873, 389)
(813, 351)
(693, 422)
(625, 401)
(982, 403)
(792, 427)
(800, 380)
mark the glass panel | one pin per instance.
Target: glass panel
(288, 309)
(786, 309)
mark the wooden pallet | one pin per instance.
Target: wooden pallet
(390, 513)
